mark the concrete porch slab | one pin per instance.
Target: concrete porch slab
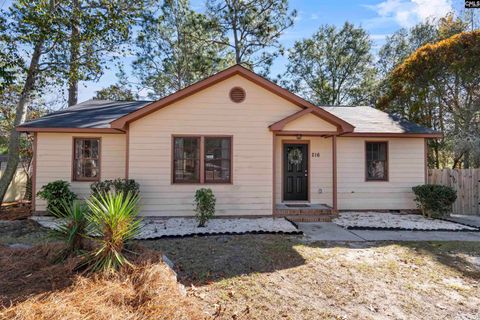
(302, 206)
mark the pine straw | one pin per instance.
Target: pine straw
(33, 288)
(15, 211)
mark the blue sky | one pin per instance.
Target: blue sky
(379, 17)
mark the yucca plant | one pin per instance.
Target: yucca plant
(72, 226)
(113, 221)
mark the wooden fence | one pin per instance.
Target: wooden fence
(16, 190)
(467, 184)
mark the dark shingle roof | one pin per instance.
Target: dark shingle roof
(99, 114)
(371, 120)
(88, 114)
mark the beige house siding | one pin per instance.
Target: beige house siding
(309, 122)
(54, 160)
(406, 169)
(209, 112)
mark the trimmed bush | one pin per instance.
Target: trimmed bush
(118, 185)
(57, 193)
(204, 205)
(434, 200)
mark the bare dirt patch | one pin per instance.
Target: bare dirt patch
(26, 232)
(279, 277)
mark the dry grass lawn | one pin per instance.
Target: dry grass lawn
(278, 277)
(247, 277)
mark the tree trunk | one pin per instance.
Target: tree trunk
(20, 115)
(74, 54)
(238, 58)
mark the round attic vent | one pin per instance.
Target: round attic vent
(237, 94)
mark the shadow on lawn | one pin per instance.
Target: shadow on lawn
(200, 260)
(452, 254)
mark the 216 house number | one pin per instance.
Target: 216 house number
(315, 154)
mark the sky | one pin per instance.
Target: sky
(379, 18)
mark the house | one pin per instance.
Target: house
(260, 148)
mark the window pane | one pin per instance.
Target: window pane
(186, 161)
(94, 149)
(376, 160)
(217, 159)
(376, 170)
(86, 159)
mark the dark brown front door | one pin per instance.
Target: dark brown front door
(295, 172)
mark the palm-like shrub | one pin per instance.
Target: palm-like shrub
(113, 221)
(72, 226)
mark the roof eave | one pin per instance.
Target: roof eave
(69, 130)
(433, 135)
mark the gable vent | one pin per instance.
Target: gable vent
(237, 94)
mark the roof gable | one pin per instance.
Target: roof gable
(307, 120)
(121, 122)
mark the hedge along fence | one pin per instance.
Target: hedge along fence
(467, 184)
(17, 188)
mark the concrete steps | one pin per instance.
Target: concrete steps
(311, 217)
(300, 212)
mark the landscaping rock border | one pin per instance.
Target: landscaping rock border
(386, 221)
(156, 228)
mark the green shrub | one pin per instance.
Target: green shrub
(204, 205)
(55, 193)
(117, 185)
(434, 200)
(113, 220)
(72, 227)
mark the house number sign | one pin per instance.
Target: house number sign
(315, 154)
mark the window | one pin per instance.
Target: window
(186, 160)
(202, 159)
(217, 160)
(377, 161)
(86, 159)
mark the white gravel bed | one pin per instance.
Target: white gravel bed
(385, 220)
(170, 227)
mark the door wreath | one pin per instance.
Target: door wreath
(295, 156)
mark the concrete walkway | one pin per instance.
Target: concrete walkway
(328, 231)
(470, 220)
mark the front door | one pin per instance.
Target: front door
(295, 172)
